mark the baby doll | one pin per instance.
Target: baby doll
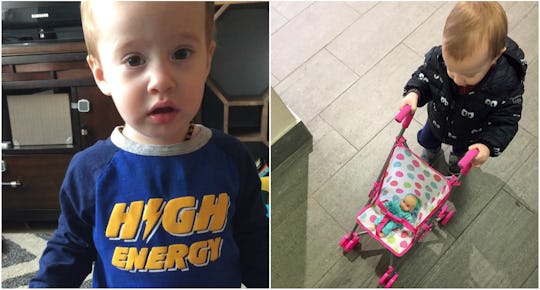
(407, 208)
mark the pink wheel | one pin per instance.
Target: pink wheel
(448, 216)
(443, 211)
(347, 238)
(386, 275)
(391, 281)
(352, 243)
(344, 241)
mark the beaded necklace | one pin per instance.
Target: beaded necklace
(190, 131)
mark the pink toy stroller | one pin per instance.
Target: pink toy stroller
(405, 173)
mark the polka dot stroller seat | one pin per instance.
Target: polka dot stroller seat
(405, 173)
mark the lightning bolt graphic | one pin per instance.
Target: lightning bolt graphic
(152, 214)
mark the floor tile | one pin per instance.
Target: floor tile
(513, 158)
(526, 34)
(516, 11)
(357, 113)
(304, 247)
(377, 32)
(499, 249)
(532, 282)
(329, 154)
(289, 189)
(423, 257)
(469, 199)
(429, 33)
(362, 268)
(529, 115)
(288, 252)
(524, 184)
(277, 20)
(356, 268)
(361, 6)
(318, 129)
(315, 84)
(290, 9)
(307, 33)
(274, 81)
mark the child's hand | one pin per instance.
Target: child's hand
(410, 99)
(483, 154)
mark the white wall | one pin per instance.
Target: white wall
(282, 119)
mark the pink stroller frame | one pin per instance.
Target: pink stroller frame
(404, 173)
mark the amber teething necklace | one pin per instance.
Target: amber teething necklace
(190, 131)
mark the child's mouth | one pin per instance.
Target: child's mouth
(163, 115)
(163, 110)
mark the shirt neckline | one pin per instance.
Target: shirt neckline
(195, 143)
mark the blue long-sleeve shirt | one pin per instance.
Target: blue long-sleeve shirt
(185, 215)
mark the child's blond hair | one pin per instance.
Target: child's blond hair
(90, 33)
(471, 24)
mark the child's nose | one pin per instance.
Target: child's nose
(161, 79)
(459, 80)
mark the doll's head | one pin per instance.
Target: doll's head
(410, 203)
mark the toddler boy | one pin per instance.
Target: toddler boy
(162, 202)
(472, 85)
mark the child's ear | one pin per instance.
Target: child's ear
(97, 72)
(499, 55)
(211, 49)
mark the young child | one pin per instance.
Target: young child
(472, 85)
(162, 202)
(406, 208)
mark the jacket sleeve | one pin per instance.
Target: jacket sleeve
(68, 257)
(250, 226)
(419, 79)
(503, 123)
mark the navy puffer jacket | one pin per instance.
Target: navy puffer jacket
(488, 114)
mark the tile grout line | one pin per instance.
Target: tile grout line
(324, 47)
(528, 277)
(288, 20)
(460, 234)
(360, 76)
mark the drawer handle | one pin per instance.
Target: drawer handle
(13, 184)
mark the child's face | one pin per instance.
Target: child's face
(408, 203)
(153, 60)
(472, 69)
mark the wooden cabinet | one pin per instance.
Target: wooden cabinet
(30, 185)
(33, 76)
(99, 122)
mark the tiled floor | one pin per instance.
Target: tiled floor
(341, 67)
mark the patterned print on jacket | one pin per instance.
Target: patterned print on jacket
(489, 113)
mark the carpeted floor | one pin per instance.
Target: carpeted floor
(20, 258)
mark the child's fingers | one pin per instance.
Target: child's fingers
(410, 99)
(483, 154)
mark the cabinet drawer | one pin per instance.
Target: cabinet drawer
(36, 181)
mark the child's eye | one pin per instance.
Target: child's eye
(134, 60)
(182, 53)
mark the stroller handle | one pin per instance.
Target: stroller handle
(466, 162)
(404, 116)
